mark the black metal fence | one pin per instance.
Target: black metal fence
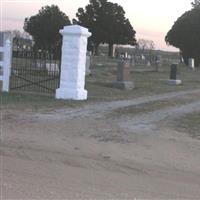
(35, 71)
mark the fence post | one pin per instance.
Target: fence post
(7, 59)
(72, 77)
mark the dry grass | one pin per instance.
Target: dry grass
(189, 124)
(32, 102)
(150, 107)
(99, 85)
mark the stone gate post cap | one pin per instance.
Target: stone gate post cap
(75, 30)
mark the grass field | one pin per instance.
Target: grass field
(147, 80)
(100, 88)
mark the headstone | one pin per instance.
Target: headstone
(173, 71)
(191, 63)
(1, 39)
(89, 53)
(148, 64)
(114, 51)
(123, 76)
(157, 62)
(72, 78)
(173, 75)
(181, 59)
(125, 55)
(142, 57)
(88, 63)
(132, 61)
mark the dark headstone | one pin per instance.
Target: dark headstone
(173, 75)
(1, 39)
(1, 56)
(173, 71)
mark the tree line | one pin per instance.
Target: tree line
(105, 20)
(108, 24)
(185, 34)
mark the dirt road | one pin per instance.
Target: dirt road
(110, 150)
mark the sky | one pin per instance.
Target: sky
(151, 19)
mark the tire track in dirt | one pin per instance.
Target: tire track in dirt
(100, 109)
(149, 167)
(148, 121)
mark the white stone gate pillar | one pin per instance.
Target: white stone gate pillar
(7, 60)
(73, 61)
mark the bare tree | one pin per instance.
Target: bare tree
(144, 44)
(146, 47)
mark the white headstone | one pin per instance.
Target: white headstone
(142, 57)
(191, 63)
(88, 63)
(114, 51)
(72, 78)
(148, 64)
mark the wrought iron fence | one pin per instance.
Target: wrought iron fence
(35, 71)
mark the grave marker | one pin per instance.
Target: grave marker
(88, 63)
(123, 75)
(191, 63)
(173, 75)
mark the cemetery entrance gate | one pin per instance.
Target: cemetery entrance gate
(35, 72)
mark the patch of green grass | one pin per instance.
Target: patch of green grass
(146, 82)
(100, 87)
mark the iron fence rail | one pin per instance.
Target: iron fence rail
(36, 71)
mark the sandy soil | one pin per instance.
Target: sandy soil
(96, 152)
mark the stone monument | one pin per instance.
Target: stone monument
(123, 75)
(173, 75)
(88, 63)
(148, 63)
(1, 39)
(191, 63)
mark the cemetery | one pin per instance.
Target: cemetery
(124, 102)
(97, 121)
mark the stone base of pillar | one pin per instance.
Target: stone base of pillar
(65, 93)
(174, 82)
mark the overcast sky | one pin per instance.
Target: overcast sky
(150, 18)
